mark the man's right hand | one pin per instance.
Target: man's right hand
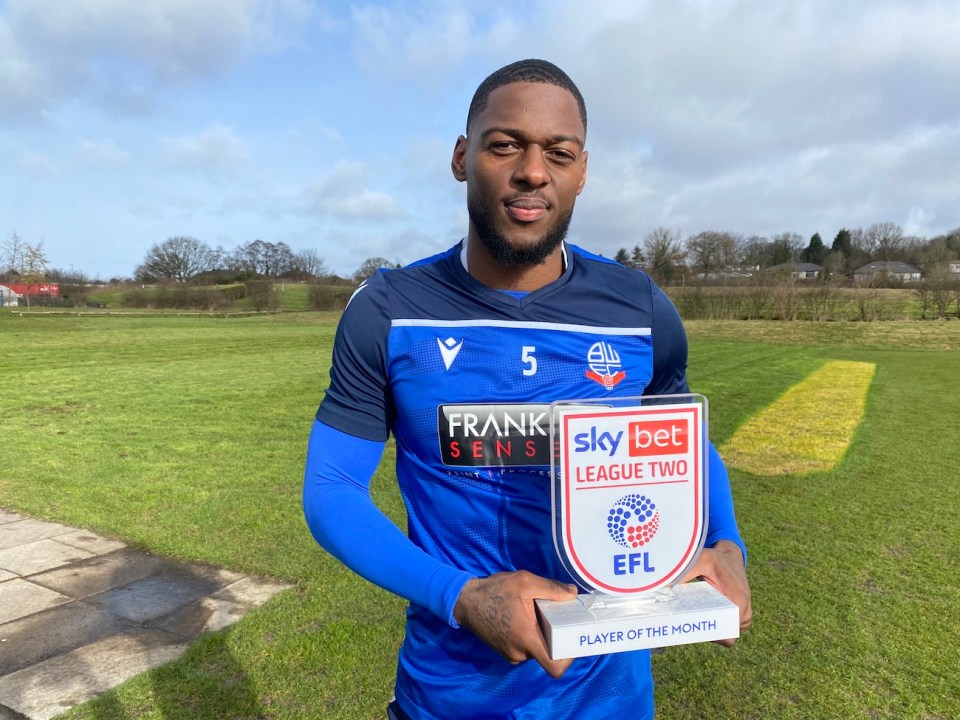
(499, 610)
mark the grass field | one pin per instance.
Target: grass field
(186, 437)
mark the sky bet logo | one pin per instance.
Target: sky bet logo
(644, 438)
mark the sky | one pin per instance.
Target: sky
(329, 126)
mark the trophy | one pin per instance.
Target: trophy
(630, 511)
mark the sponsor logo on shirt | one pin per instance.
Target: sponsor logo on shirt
(605, 366)
(494, 435)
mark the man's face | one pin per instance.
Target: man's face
(524, 165)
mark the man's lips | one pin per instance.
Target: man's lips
(527, 209)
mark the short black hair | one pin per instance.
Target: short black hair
(534, 71)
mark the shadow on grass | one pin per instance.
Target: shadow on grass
(208, 683)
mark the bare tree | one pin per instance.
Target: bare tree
(309, 264)
(177, 258)
(711, 250)
(370, 266)
(785, 248)
(265, 259)
(12, 254)
(754, 251)
(884, 241)
(33, 270)
(664, 253)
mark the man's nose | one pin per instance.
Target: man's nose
(532, 169)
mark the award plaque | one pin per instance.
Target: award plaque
(630, 513)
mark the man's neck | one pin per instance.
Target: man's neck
(525, 278)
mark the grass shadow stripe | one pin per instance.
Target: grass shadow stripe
(808, 428)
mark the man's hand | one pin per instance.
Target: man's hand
(722, 567)
(499, 610)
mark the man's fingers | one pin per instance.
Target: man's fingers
(554, 590)
(500, 610)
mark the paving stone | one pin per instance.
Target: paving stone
(215, 575)
(69, 633)
(41, 636)
(100, 573)
(154, 596)
(8, 714)
(252, 592)
(207, 615)
(91, 542)
(6, 516)
(19, 598)
(38, 556)
(49, 688)
(25, 531)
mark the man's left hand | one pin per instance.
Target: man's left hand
(722, 567)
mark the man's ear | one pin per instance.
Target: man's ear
(458, 163)
(583, 174)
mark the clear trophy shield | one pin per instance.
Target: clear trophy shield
(630, 513)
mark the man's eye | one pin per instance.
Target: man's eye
(562, 156)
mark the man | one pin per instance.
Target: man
(441, 354)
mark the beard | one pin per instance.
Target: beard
(499, 246)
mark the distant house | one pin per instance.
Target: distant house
(8, 297)
(887, 270)
(797, 271)
(954, 266)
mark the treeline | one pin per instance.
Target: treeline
(257, 295)
(820, 302)
(724, 256)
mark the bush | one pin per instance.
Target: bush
(179, 297)
(263, 295)
(328, 297)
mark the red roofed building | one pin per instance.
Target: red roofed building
(10, 293)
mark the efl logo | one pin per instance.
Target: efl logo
(633, 521)
(658, 437)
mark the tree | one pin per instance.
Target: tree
(622, 257)
(884, 241)
(34, 267)
(755, 251)
(785, 248)
(664, 254)
(637, 259)
(843, 243)
(712, 250)
(309, 265)
(815, 252)
(177, 258)
(11, 254)
(265, 259)
(370, 266)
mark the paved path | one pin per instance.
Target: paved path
(79, 613)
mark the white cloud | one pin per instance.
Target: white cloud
(216, 149)
(35, 163)
(344, 194)
(116, 49)
(429, 40)
(102, 154)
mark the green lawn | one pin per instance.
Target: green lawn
(186, 436)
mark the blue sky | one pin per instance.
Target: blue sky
(329, 125)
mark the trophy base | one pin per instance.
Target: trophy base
(602, 624)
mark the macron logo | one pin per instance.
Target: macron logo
(449, 348)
